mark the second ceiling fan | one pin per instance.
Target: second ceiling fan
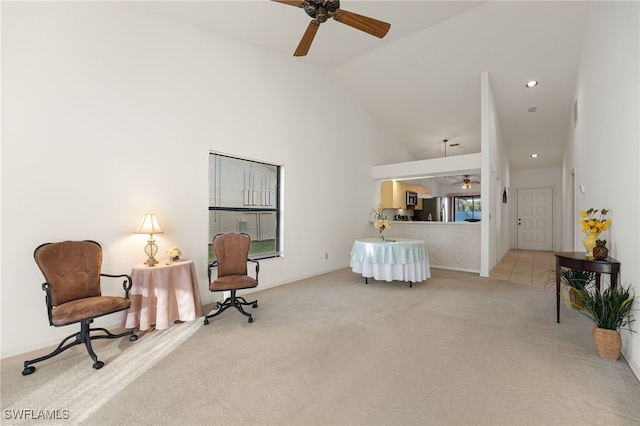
(466, 182)
(322, 10)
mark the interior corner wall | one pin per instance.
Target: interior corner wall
(603, 146)
(110, 112)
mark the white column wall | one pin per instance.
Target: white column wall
(495, 170)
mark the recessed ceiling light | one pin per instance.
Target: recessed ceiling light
(532, 83)
(532, 109)
(534, 155)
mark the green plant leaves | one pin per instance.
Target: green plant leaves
(610, 309)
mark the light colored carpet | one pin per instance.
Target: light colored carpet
(456, 349)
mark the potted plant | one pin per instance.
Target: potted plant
(609, 310)
(576, 282)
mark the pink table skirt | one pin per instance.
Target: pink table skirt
(163, 294)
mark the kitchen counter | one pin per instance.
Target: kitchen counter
(451, 245)
(422, 222)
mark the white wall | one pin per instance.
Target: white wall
(604, 146)
(493, 177)
(550, 177)
(109, 113)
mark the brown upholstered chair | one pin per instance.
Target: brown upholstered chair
(232, 255)
(71, 271)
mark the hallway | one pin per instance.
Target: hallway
(525, 267)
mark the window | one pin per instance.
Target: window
(467, 208)
(244, 196)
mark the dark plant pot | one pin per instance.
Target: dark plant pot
(600, 253)
(608, 343)
(574, 297)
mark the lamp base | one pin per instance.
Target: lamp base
(150, 250)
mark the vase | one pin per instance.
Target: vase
(576, 299)
(381, 234)
(600, 253)
(589, 244)
(607, 342)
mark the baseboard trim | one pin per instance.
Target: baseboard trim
(452, 268)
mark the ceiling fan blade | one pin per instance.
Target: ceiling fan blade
(307, 39)
(296, 3)
(362, 23)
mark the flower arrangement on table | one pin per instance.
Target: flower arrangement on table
(381, 223)
(174, 254)
(594, 222)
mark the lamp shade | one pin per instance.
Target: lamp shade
(149, 225)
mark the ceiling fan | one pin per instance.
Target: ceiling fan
(466, 182)
(321, 10)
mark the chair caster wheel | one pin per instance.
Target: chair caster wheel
(250, 319)
(98, 365)
(255, 305)
(133, 338)
(28, 370)
(206, 321)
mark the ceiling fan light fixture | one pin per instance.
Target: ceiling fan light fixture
(321, 14)
(466, 182)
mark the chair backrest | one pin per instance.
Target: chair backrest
(71, 269)
(232, 252)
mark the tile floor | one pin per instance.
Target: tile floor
(526, 267)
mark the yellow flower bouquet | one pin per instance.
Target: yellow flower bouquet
(174, 254)
(594, 221)
(381, 223)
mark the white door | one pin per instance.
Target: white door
(535, 219)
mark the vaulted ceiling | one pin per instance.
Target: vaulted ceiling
(422, 81)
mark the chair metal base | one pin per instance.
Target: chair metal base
(234, 301)
(83, 336)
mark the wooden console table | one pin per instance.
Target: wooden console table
(578, 260)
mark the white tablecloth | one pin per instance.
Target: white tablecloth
(398, 259)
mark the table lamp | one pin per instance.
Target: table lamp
(149, 225)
